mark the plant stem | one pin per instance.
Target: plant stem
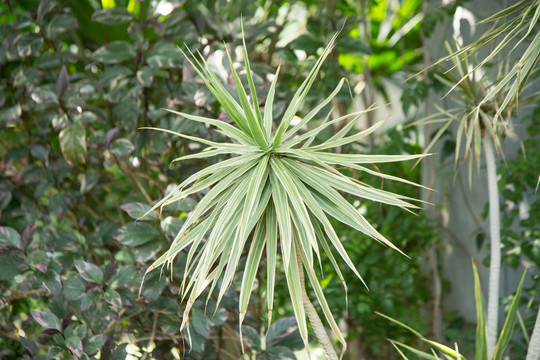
(316, 323)
(495, 240)
(534, 345)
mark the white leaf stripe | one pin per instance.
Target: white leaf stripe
(252, 122)
(301, 93)
(299, 210)
(322, 301)
(293, 282)
(252, 265)
(251, 83)
(268, 118)
(336, 205)
(218, 90)
(314, 112)
(271, 251)
(281, 203)
(227, 129)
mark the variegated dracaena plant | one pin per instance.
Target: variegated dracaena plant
(275, 191)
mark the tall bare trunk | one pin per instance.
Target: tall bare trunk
(534, 345)
(316, 323)
(495, 241)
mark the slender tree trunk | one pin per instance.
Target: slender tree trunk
(534, 345)
(316, 323)
(495, 240)
(428, 179)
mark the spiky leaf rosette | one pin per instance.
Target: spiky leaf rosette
(275, 188)
(477, 119)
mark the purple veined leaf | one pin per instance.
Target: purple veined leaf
(9, 250)
(113, 298)
(47, 319)
(28, 345)
(89, 272)
(111, 135)
(66, 320)
(39, 261)
(28, 234)
(93, 344)
(51, 332)
(62, 82)
(74, 344)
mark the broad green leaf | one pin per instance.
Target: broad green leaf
(114, 52)
(164, 56)
(137, 233)
(28, 44)
(122, 147)
(114, 16)
(89, 272)
(9, 237)
(73, 143)
(61, 24)
(73, 288)
(10, 114)
(137, 211)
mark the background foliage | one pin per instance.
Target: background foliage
(78, 78)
